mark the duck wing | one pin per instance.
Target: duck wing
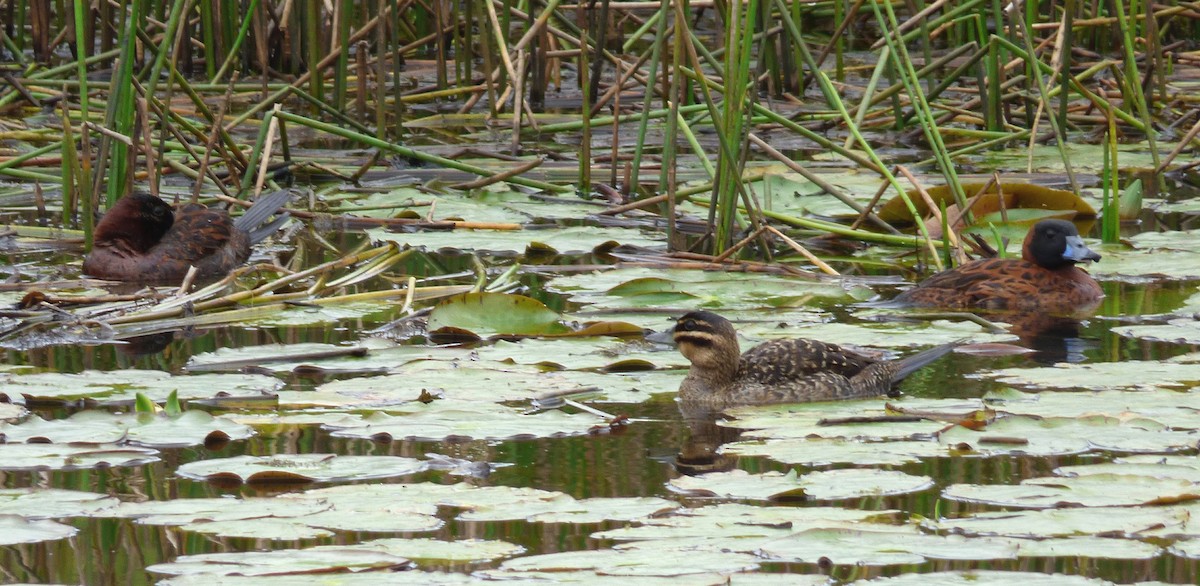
(779, 361)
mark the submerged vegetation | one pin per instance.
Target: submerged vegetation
(492, 201)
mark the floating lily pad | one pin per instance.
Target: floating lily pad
(823, 452)
(487, 314)
(466, 384)
(634, 562)
(565, 509)
(681, 289)
(72, 457)
(181, 512)
(52, 503)
(279, 562)
(463, 420)
(983, 578)
(586, 353)
(1184, 330)
(16, 529)
(1092, 490)
(562, 240)
(1179, 372)
(1172, 408)
(828, 485)
(118, 387)
(1071, 522)
(300, 468)
(11, 411)
(880, 548)
(152, 430)
(1067, 435)
(864, 420)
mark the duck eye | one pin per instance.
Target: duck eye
(687, 326)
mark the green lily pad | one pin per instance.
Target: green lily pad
(564, 509)
(824, 452)
(864, 420)
(828, 485)
(1066, 435)
(634, 562)
(152, 430)
(1092, 490)
(279, 562)
(563, 240)
(465, 420)
(11, 412)
(120, 387)
(1171, 408)
(488, 314)
(1072, 522)
(72, 457)
(983, 578)
(1185, 330)
(16, 529)
(881, 548)
(52, 503)
(300, 468)
(1179, 372)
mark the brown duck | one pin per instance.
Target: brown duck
(142, 239)
(1045, 278)
(779, 371)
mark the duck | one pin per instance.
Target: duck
(1045, 279)
(143, 239)
(793, 370)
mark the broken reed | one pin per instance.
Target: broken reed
(726, 66)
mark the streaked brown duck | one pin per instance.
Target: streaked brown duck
(779, 371)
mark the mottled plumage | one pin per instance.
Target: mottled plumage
(142, 239)
(1044, 279)
(778, 371)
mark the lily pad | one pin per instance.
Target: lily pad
(1067, 435)
(152, 430)
(279, 562)
(829, 485)
(634, 562)
(488, 314)
(824, 452)
(52, 503)
(562, 240)
(463, 420)
(72, 457)
(880, 548)
(120, 387)
(1092, 490)
(1179, 372)
(1070, 522)
(983, 578)
(16, 529)
(299, 468)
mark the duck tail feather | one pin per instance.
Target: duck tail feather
(911, 364)
(266, 205)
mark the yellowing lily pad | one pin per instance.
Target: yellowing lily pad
(488, 314)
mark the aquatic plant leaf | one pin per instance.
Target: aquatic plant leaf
(287, 562)
(626, 288)
(883, 334)
(982, 578)
(1172, 408)
(565, 509)
(574, 239)
(580, 354)
(185, 511)
(1092, 490)
(882, 548)
(488, 314)
(1176, 331)
(11, 411)
(121, 387)
(146, 429)
(865, 420)
(52, 503)
(448, 382)
(1178, 372)
(16, 529)
(72, 457)
(260, 528)
(1033, 435)
(488, 421)
(1072, 522)
(824, 452)
(300, 468)
(827, 485)
(1016, 196)
(742, 527)
(633, 562)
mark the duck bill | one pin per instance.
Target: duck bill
(1077, 251)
